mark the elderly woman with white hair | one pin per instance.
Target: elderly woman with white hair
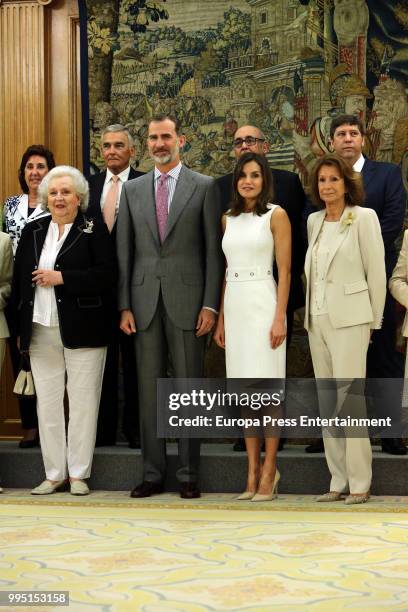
(64, 272)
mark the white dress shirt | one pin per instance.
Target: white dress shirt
(45, 305)
(173, 175)
(123, 177)
(358, 166)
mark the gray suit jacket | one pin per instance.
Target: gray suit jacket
(188, 267)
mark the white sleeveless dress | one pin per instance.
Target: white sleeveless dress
(250, 298)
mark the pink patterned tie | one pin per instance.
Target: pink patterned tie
(109, 206)
(162, 212)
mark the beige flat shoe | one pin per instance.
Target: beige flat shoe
(357, 499)
(331, 496)
(79, 487)
(47, 487)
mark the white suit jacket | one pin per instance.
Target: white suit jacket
(355, 273)
(399, 280)
(6, 270)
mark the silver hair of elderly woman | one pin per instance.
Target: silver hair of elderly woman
(80, 183)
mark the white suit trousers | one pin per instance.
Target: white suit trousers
(342, 353)
(80, 371)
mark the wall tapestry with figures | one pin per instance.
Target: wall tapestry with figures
(288, 66)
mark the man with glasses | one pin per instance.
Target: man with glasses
(290, 195)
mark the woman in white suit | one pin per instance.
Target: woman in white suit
(398, 286)
(6, 270)
(345, 298)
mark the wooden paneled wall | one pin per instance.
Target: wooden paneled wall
(23, 80)
(39, 83)
(40, 103)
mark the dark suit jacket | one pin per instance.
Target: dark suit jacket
(290, 195)
(87, 263)
(385, 193)
(96, 183)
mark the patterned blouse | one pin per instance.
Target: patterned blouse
(15, 214)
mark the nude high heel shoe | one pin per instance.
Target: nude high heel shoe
(270, 496)
(246, 496)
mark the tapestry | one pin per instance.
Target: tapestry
(287, 66)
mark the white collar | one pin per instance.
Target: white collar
(358, 166)
(174, 172)
(123, 176)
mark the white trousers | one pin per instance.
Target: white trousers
(80, 371)
(342, 353)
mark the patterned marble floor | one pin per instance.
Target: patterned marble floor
(113, 554)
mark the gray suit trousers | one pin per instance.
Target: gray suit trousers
(154, 345)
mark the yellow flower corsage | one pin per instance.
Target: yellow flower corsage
(348, 220)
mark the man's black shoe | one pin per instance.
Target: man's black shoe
(393, 446)
(134, 442)
(105, 442)
(189, 490)
(29, 443)
(146, 489)
(239, 445)
(316, 446)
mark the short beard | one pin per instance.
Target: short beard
(166, 159)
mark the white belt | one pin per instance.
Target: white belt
(248, 274)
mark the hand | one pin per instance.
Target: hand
(47, 278)
(205, 322)
(277, 334)
(219, 334)
(127, 322)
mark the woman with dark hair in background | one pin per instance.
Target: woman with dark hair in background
(252, 320)
(18, 210)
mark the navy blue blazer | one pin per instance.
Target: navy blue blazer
(385, 193)
(87, 263)
(96, 183)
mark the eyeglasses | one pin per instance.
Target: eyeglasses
(249, 141)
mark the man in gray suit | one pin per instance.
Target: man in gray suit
(170, 275)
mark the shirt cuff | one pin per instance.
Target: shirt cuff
(210, 309)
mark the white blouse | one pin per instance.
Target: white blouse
(320, 254)
(45, 304)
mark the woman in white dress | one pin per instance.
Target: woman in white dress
(252, 321)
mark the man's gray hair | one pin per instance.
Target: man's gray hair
(118, 127)
(79, 181)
